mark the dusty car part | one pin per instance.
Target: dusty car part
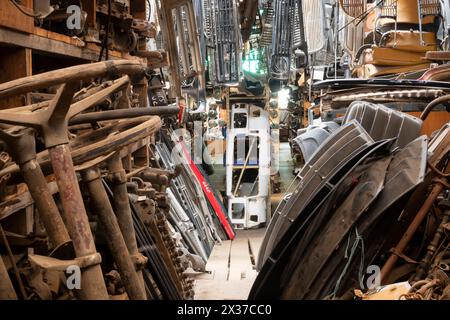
(287, 205)
(128, 137)
(52, 122)
(156, 223)
(318, 177)
(386, 96)
(384, 123)
(134, 288)
(13, 263)
(75, 73)
(226, 41)
(178, 22)
(190, 196)
(107, 139)
(408, 235)
(334, 227)
(405, 172)
(281, 49)
(184, 226)
(248, 157)
(310, 141)
(268, 283)
(378, 83)
(123, 113)
(147, 245)
(21, 142)
(422, 268)
(121, 204)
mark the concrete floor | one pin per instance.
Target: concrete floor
(230, 268)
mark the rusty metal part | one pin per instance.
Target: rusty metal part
(22, 146)
(434, 104)
(52, 121)
(409, 233)
(7, 291)
(92, 283)
(115, 240)
(422, 269)
(158, 177)
(71, 74)
(123, 113)
(107, 139)
(162, 241)
(50, 263)
(122, 209)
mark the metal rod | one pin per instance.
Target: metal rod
(44, 202)
(409, 233)
(92, 283)
(115, 240)
(21, 145)
(122, 208)
(123, 113)
(245, 166)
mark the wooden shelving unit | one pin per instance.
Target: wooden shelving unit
(26, 49)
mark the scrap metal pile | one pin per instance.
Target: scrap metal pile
(93, 204)
(369, 207)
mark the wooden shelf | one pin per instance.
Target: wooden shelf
(56, 44)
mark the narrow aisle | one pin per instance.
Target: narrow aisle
(231, 268)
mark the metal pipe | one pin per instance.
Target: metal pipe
(123, 113)
(122, 208)
(21, 145)
(432, 105)
(115, 240)
(92, 283)
(44, 202)
(409, 233)
(422, 269)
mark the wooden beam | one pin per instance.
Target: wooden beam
(54, 43)
(90, 7)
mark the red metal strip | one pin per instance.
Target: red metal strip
(209, 194)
